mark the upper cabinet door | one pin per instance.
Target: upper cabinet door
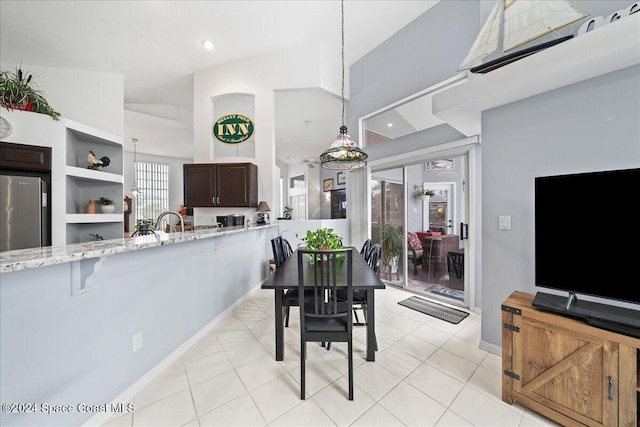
(199, 185)
(224, 185)
(25, 157)
(237, 184)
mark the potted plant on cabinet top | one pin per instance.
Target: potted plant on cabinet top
(288, 210)
(17, 93)
(106, 205)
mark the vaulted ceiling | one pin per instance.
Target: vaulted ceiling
(157, 46)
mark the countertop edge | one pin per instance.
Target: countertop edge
(23, 259)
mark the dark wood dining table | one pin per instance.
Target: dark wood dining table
(286, 277)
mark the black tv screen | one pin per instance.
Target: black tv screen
(587, 233)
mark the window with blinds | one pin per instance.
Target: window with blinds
(152, 180)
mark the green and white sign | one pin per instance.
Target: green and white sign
(233, 128)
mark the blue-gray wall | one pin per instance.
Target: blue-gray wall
(428, 51)
(588, 126)
(64, 349)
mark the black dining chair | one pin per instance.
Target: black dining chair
(281, 252)
(366, 247)
(373, 258)
(324, 318)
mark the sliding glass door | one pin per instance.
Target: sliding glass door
(422, 245)
(387, 221)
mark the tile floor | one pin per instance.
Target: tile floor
(427, 373)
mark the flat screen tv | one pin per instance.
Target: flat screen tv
(587, 237)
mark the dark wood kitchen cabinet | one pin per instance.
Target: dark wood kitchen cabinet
(220, 185)
(25, 157)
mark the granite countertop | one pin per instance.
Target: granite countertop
(22, 259)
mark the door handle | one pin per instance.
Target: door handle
(464, 231)
(610, 387)
(213, 200)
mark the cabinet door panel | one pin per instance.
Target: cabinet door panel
(25, 157)
(236, 185)
(199, 184)
(568, 372)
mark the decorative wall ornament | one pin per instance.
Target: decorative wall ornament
(233, 128)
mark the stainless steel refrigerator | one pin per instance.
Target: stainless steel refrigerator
(23, 212)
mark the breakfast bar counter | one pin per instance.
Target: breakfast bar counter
(43, 256)
(91, 323)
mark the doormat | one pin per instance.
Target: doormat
(444, 291)
(434, 309)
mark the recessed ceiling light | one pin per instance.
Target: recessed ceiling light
(390, 125)
(208, 44)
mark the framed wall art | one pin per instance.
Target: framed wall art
(328, 184)
(342, 178)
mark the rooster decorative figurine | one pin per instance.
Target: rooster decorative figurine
(94, 163)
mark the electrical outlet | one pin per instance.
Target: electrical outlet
(137, 342)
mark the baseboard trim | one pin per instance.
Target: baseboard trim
(491, 348)
(135, 388)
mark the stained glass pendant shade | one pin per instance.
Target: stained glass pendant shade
(344, 153)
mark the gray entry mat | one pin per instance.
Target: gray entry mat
(434, 309)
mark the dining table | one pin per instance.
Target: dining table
(286, 277)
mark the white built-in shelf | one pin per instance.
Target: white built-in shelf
(93, 175)
(92, 135)
(606, 49)
(93, 218)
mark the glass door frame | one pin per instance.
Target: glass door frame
(467, 146)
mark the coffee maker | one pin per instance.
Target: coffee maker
(263, 213)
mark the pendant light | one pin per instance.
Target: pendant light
(134, 190)
(344, 153)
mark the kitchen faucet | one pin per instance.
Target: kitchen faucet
(165, 213)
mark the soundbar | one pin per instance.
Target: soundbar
(617, 319)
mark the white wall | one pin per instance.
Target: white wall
(158, 136)
(293, 230)
(259, 76)
(92, 98)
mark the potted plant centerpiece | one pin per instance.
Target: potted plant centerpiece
(106, 205)
(321, 239)
(391, 246)
(17, 93)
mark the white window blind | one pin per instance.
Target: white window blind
(153, 181)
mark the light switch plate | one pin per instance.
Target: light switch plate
(504, 222)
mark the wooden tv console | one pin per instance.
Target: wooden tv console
(566, 370)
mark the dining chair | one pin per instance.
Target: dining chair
(324, 318)
(373, 258)
(278, 253)
(366, 247)
(281, 252)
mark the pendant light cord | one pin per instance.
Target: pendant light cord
(342, 28)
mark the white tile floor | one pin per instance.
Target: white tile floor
(427, 373)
